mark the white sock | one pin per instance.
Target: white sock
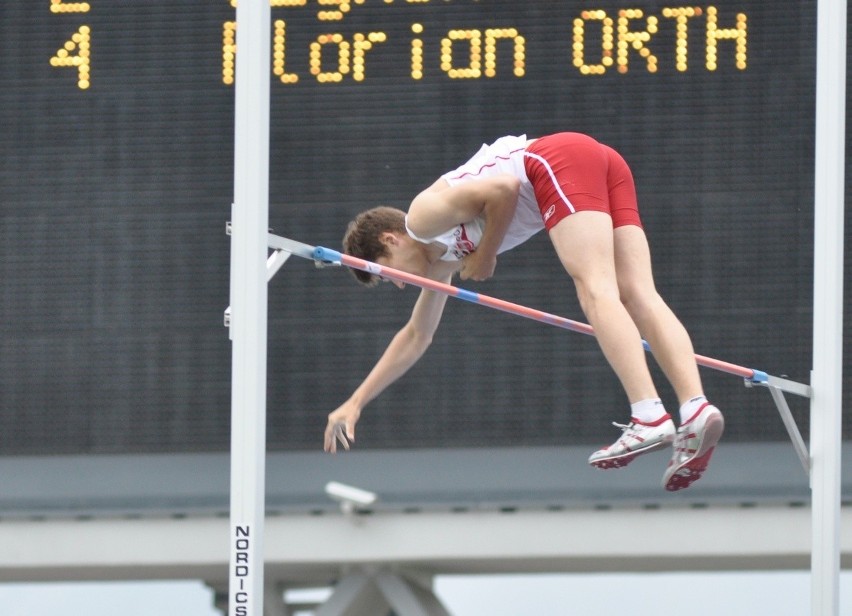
(687, 410)
(648, 411)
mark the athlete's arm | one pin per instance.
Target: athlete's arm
(406, 347)
(441, 207)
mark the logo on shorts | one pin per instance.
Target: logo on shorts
(550, 212)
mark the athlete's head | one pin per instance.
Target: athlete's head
(363, 237)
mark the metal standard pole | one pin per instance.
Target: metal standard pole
(249, 229)
(827, 376)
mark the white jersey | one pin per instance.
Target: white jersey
(506, 155)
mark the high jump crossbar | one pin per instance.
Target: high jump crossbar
(283, 247)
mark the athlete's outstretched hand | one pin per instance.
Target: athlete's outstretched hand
(341, 427)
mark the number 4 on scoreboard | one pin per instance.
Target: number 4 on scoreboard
(77, 52)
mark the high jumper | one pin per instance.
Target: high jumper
(582, 192)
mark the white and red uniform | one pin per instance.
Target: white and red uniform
(560, 174)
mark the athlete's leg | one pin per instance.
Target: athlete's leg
(668, 338)
(584, 243)
(701, 423)
(570, 176)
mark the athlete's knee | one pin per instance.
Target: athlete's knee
(593, 292)
(641, 302)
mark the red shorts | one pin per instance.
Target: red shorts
(571, 172)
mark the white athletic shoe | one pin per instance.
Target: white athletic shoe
(637, 438)
(694, 445)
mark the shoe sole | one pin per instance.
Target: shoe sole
(691, 470)
(626, 458)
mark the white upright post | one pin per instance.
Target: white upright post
(827, 375)
(249, 229)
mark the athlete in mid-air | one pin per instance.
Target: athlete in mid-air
(582, 193)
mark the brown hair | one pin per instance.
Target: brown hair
(363, 237)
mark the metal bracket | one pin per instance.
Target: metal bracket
(273, 264)
(282, 249)
(777, 386)
(278, 258)
(299, 249)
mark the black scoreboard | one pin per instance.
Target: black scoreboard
(117, 182)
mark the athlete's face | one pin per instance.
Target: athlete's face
(403, 254)
(388, 262)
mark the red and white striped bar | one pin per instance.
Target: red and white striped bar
(329, 256)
